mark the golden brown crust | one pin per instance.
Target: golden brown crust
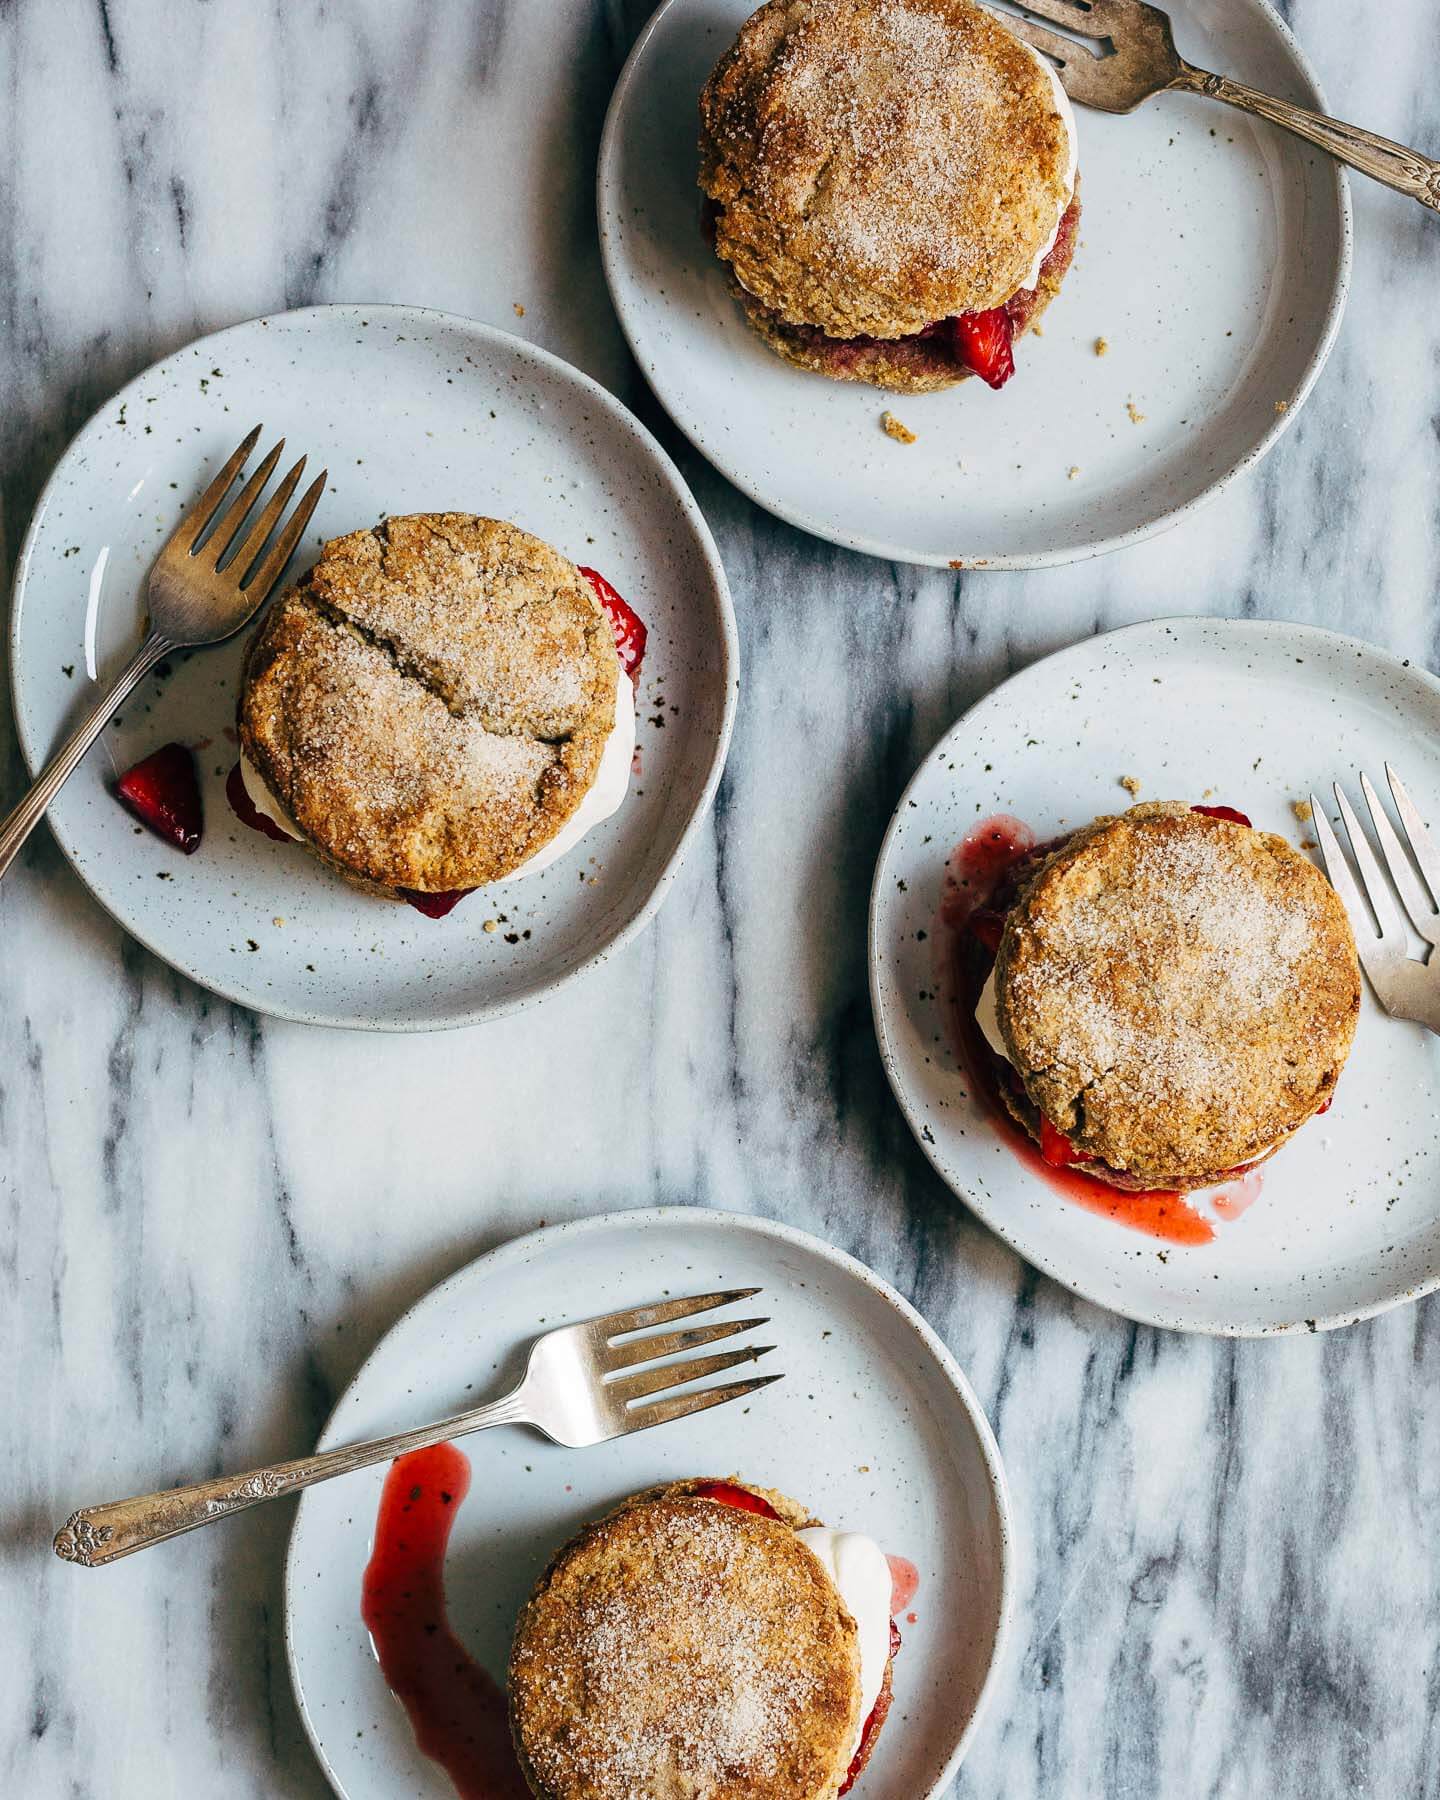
(913, 365)
(681, 1649)
(1177, 993)
(431, 702)
(877, 165)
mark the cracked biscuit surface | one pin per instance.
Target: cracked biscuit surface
(431, 702)
(681, 1649)
(878, 165)
(1178, 994)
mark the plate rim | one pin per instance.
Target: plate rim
(608, 215)
(993, 1218)
(728, 675)
(711, 1219)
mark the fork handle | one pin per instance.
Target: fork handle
(1405, 170)
(97, 1535)
(28, 814)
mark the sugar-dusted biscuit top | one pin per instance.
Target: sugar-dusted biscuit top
(877, 165)
(683, 1649)
(1177, 992)
(430, 703)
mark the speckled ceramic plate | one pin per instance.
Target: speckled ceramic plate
(873, 1425)
(1213, 262)
(413, 411)
(1256, 716)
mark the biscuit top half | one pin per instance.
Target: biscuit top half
(1177, 992)
(682, 1649)
(878, 165)
(431, 702)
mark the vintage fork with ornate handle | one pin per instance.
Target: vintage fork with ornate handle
(576, 1389)
(198, 593)
(1143, 60)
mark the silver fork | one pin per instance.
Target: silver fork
(575, 1390)
(1137, 57)
(198, 593)
(1406, 987)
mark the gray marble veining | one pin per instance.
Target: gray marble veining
(1230, 1581)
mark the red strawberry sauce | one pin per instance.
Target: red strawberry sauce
(982, 881)
(456, 1710)
(630, 637)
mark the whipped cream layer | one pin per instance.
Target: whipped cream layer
(988, 1019)
(1067, 119)
(611, 783)
(858, 1568)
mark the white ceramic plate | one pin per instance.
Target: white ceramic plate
(873, 1425)
(1256, 715)
(1214, 257)
(413, 411)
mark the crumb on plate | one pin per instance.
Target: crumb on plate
(896, 428)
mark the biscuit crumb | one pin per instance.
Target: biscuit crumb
(1282, 406)
(1308, 843)
(1037, 331)
(1072, 472)
(1208, 792)
(519, 310)
(1102, 346)
(1302, 811)
(1131, 785)
(894, 428)
(277, 921)
(489, 925)
(1136, 416)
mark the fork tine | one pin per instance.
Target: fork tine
(273, 567)
(1063, 50)
(1073, 15)
(681, 1374)
(680, 1406)
(1412, 894)
(259, 533)
(639, 1318)
(673, 1343)
(1343, 882)
(1377, 889)
(1422, 845)
(193, 524)
(239, 510)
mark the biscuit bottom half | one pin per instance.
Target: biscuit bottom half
(924, 362)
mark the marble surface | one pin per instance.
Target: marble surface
(1229, 1582)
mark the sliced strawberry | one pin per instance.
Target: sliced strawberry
(434, 906)
(740, 1498)
(630, 633)
(1222, 812)
(163, 792)
(246, 811)
(879, 1713)
(989, 927)
(984, 342)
